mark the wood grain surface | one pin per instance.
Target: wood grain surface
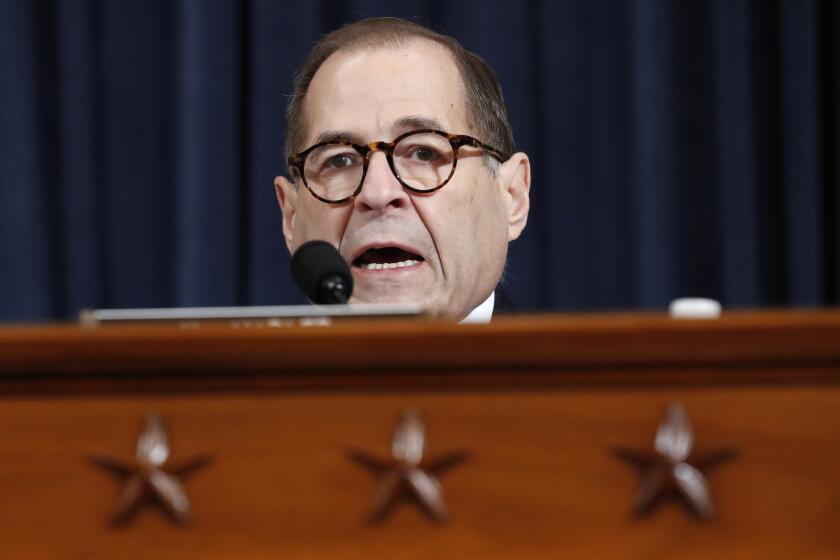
(352, 354)
(538, 419)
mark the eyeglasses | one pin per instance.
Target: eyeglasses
(423, 161)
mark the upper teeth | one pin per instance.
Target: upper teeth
(381, 266)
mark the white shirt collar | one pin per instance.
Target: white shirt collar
(483, 313)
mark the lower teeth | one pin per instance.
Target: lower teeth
(383, 266)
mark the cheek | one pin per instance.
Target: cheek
(483, 229)
(316, 220)
(459, 225)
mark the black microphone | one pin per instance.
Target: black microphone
(321, 273)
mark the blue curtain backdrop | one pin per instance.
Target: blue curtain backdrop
(679, 148)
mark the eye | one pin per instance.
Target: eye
(423, 153)
(338, 161)
(333, 159)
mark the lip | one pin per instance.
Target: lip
(385, 272)
(379, 273)
(379, 245)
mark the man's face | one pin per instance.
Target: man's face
(450, 246)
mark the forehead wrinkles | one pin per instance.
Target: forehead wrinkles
(337, 79)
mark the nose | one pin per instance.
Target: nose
(381, 190)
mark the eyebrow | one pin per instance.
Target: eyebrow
(403, 124)
(337, 136)
(417, 122)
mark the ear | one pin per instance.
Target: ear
(515, 182)
(287, 199)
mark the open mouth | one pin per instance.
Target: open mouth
(381, 258)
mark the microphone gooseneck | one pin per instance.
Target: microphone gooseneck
(321, 273)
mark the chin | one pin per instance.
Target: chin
(430, 305)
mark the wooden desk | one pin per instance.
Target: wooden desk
(537, 401)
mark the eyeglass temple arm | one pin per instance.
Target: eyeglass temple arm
(470, 141)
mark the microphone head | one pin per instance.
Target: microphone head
(321, 273)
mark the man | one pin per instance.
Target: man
(401, 155)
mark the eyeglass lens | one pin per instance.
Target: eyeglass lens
(422, 161)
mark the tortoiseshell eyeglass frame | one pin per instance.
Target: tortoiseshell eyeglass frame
(297, 161)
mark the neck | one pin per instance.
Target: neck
(483, 313)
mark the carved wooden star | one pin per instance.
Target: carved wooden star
(672, 468)
(150, 478)
(407, 473)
